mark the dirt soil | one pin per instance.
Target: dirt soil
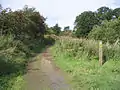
(44, 75)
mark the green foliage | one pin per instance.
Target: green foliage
(21, 38)
(50, 31)
(66, 33)
(49, 40)
(66, 28)
(56, 29)
(104, 13)
(14, 56)
(26, 23)
(12, 61)
(84, 23)
(108, 31)
(116, 12)
(79, 58)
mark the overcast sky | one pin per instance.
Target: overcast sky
(62, 12)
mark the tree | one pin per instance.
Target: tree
(49, 30)
(0, 8)
(56, 29)
(116, 12)
(104, 13)
(22, 23)
(108, 31)
(103, 10)
(66, 28)
(84, 23)
(39, 21)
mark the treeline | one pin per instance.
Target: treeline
(102, 24)
(57, 30)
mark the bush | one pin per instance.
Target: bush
(26, 23)
(109, 31)
(11, 56)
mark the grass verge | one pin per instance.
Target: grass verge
(85, 73)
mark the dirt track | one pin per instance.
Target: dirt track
(43, 75)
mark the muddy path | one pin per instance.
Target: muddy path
(44, 75)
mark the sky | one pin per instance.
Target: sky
(62, 12)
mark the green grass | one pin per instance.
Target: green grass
(84, 72)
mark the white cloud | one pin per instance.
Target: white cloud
(61, 11)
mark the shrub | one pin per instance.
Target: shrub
(22, 23)
(109, 31)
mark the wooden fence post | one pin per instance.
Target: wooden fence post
(100, 53)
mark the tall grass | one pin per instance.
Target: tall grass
(79, 47)
(79, 58)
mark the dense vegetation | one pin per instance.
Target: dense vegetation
(109, 31)
(106, 20)
(21, 37)
(79, 58)
(54, 30)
